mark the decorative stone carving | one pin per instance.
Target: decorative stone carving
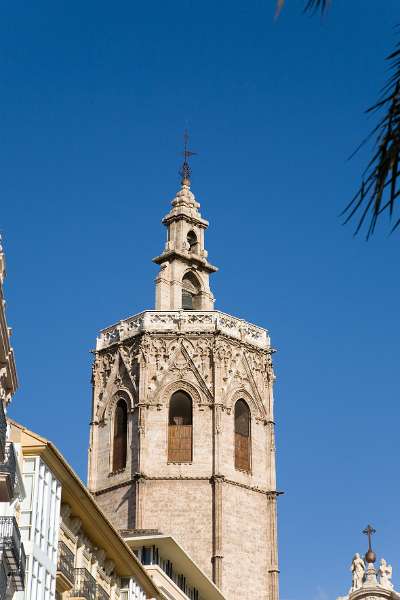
(242, 393)
(109, 567)
(189, 356)
(116, 372)
(103, 365)
(370, 576)
(183, 385)
(65, 511)
(358, 572)
(75, 525)
(121, 393)
(178, 320)
(385, 575)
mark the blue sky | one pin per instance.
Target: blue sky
(94, 100)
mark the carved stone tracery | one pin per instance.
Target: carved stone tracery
(240, 394)
(166, 393)
(115, 372)
(191, 358)
(120, 393)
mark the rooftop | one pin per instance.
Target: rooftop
(182, 562)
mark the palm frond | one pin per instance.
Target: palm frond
(317, 5)
(379, 191)
(311, 6)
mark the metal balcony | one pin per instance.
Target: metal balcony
(3, 581)
(8, 473)
(10, 543)
(3, 432)
(65, 568)
(84, 586)
(101, 594)
(18, 576)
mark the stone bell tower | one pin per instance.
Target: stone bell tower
(182, 432)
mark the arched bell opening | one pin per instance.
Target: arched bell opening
(180, 428)
(120, 436)
(242, 436)
(191, 292)
(193, 242)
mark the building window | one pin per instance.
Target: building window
(191, 297)
(180, 429)
(120, 435)
(242, 436)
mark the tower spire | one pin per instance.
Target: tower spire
(185, 171)
(183, 281)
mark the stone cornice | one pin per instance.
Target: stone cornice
(194, 220)
(214, 478)
(375, 592)
(169, 255)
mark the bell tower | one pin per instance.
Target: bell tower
(182, 432)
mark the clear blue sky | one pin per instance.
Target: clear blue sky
(94, 99)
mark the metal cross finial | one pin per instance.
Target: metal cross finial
(185, 171)
(369, 531)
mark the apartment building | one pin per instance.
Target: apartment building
(72, 550)
(12, 554)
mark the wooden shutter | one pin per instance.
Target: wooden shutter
(242, 452)
(120, 436)
(242, 436)
(180, 443)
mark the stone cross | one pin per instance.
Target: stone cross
(369, 531)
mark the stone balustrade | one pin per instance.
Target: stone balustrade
(177, 321)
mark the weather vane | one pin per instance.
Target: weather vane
(185, 171)
(370, 557)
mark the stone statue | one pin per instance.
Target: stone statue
(385, 575)
(358, 572)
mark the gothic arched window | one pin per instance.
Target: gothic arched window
(180, 430)
(190, 292)
(120, 437)
(192, 241)
(242, 436)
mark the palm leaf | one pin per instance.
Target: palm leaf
(315, 5)
(380, 190)
(311, 6)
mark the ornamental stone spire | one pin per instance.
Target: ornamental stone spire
(183, 279)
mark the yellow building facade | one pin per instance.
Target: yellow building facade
(72, 549)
